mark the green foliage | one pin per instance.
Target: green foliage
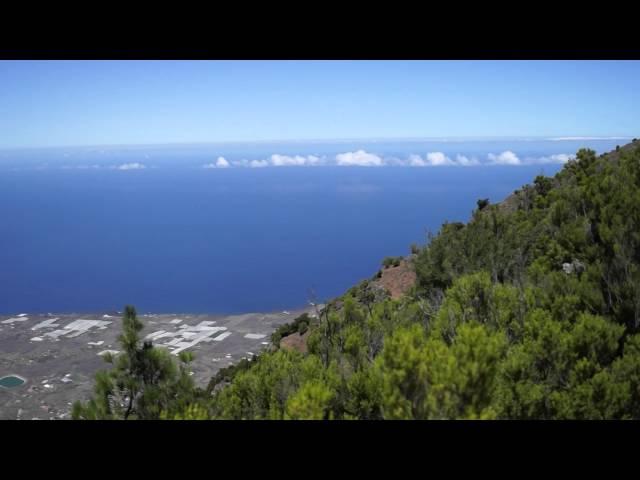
(300, 325)
(558, 369)
(542, 185)
(227, 374)
(263, 392)
(144, 382)
(424, 378)
(482, 203)
(191, 412)
(475, 298)
(303, 327)
(312, 401)
(391, 262)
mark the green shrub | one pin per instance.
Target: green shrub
(483, 203)
(302, 327)
(391, 262)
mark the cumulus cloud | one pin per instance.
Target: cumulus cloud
(558, 158)
(130, 166)
(297, 160)
(505, 158)
(438, 159)
(510, 158)
(466, 161)
(359, 158)
(416, 161)
(220, 163)
(277, 160)
(363, 158)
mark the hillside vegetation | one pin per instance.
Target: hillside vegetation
(529, 311)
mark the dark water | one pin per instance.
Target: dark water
(10, 382)
(179, 238)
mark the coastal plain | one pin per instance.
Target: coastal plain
(54, 358)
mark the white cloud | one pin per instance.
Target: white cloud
(277, 160)
(416, 161)
(220, 163)
(359, 158)
(505, 158)
(258, 163)
(562, 157)
(438, 159)
(285, 161)
(366, 159)
(298, 160)
(130, 166)
(558, 158)
(466, 161)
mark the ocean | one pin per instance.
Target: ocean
(92, 229)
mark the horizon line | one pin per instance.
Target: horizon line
(330, 140)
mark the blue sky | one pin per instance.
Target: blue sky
(60, 103)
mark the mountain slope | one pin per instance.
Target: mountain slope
(529, 311)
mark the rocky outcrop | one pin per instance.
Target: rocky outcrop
(295, 341)
(397, 281)
(576, 266)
